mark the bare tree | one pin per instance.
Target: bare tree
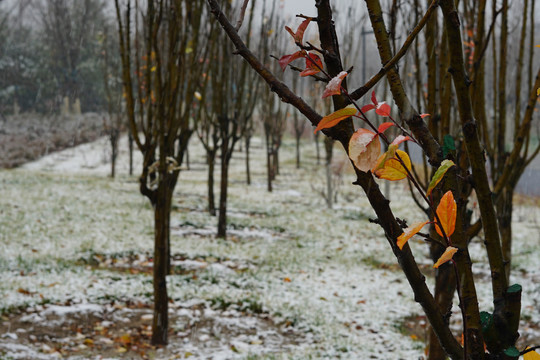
(112, 83)
(157, 46)
(230, 97)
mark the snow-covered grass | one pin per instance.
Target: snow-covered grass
(325, 278)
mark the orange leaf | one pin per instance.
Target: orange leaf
(334, 118)
(447, 211)
(334, 85)
(392, 169)
(446, 256)
(531, 355)
(364, 149)
(409, 233)
(384, 126)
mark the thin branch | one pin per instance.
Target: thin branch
(242, 15)
(358, 93)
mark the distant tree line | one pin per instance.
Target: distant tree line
(51, 55)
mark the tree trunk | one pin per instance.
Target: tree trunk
(211, 199)
(222, 220)
(329, 187)
(248, 173)
(504, 212)
(316, 138)
(269, 167)
(114, 150)
(329, 147)
(187, 157)
(445, 286)
(162, 214)
(275, 162)
(130, 145)
(298, 151)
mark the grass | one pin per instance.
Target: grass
(288, 256)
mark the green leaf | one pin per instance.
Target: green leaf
(439, 174)
(512, 351)
(514, 288)
(486, 319)
(448, 144)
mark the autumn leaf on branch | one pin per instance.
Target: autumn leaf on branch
(447, 212)
(409, 233)
(364, 149)
(334, 118)
(439, 174)
(313, 64)
(298, 36)
(391, 168)
(446, 256)
(334, 86)
(287, 59)
(531, 355)
(381, 108)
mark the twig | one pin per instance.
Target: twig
(242, 14)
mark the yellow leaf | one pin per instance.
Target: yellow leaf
(447, 211)
(364, 149)
(334, 118)
(393, 170)
(121, 350)
(531, 355)
(446, 256)
(409, 233)
(153, 68)
(538, 92)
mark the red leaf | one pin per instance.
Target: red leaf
(374, 98)
(287, 59)
(334, 118)
(334, 85)
(383, 109)
(424, 115)
(447, 211)
(367, 108)
(299, 35)
(384, 126)
(313, 65)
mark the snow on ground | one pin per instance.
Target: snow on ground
(293, 280)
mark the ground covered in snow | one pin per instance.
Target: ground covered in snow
(27, 137)
(292, 280)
